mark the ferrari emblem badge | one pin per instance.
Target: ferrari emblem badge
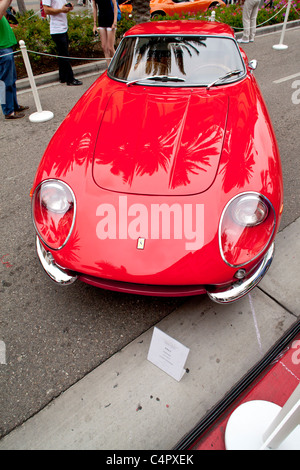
(141, 243)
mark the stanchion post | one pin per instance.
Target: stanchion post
(40, 115)
(262, 425)
(285, 422)
(281, 46)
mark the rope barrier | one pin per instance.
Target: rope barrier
(67, 57)
(10, 53)
(296, 11)
(98, 59)
(34, 14)
(269, 19)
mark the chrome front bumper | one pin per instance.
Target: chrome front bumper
(243, 287)
(222, 296)
(55, 272)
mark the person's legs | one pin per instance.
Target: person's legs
(107, 38)
(62, 45)
(250, 10)
(111, 37)
(103, 39)
(255, 7)
(247, 9)
(8, 76)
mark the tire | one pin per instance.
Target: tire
(157, 13)
(213, 5)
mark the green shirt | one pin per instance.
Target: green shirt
(7, 37)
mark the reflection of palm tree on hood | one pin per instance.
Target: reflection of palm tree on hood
(165, 149)
(128, 166)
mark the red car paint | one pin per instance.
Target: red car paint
(275, 384)
(219, 143)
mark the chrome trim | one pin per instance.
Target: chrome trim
(240, 289)
(252, 65)
(56, 273)
(220, 226)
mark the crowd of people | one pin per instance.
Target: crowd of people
(105, 15)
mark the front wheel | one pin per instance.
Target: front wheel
(157, 13)
(213, 5)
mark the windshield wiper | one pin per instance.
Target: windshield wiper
(221, 79)
(162, 78)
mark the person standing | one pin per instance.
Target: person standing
(8, 75)
(106, 11)
(57, 10)
(250, 11)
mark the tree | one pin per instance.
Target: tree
(21, 6)
(141, 9)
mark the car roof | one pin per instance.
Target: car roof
(192, 27)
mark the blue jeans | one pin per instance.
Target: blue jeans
(8, 76)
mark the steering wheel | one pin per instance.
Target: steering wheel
(222, 67)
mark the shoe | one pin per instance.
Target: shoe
(243, 41)
(21, 108)
(74, 83)
(15, 116)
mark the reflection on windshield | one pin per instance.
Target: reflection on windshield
(199, 60)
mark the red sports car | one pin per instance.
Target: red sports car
(165, 178)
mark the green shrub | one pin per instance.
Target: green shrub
(83, 44)
(126, 22)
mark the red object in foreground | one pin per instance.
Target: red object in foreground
(165, 178)
(272, 380)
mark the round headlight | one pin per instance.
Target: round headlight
(249, 210)
(53, 211)
(56, 197)
(246, 228)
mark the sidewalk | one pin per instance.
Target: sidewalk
(96, 67)
(129, 403)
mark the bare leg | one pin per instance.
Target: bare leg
(107, 37)
(111, 37)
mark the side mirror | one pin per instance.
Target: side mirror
(252, 64)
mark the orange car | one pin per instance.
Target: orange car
(171, 7)
(125, 6)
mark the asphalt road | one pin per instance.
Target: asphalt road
(55, 336)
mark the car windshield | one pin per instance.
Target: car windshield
(187, 60)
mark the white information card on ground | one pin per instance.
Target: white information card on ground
(168, 354)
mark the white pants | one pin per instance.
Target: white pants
(250, 10)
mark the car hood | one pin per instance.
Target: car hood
(160, 144)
